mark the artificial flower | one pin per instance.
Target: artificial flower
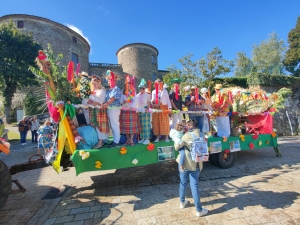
(251, 145)
(242, 139)
(224, 139)
(255, 136)
(273, 134)
(242, 136)
(227, 151)
(260, 143)
(150, 147)
(123, 151)
(267, 142)
(84, 155)
(98, 164)
(135, 161)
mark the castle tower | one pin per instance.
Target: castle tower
(139, 60)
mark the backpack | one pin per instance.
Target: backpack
(199, 149)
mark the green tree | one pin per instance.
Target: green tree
(243, 65)
(17, 52)
(292, 56)
(202, 70)
(267, 57)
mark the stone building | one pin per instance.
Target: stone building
(137, 59)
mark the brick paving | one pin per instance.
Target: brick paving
(259, 189)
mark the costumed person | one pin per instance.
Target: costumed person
(194, 102)
(176, 102)
(207, 106)
(176, 134)
(129, 123)
(34, 128)
(143, 104)
(160, 120)
(45, 137)
(113, 105)
(98, 115)
(24, 127)
(85, 91)
(191, 170)
(221, 106)
(148, 91)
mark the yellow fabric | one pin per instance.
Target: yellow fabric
(60, 147)
(68, 131)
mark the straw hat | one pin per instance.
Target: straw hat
(204, 90)
(187, 88)
(193, 87)
(84, 74)
(218, 86)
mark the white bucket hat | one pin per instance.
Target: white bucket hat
(204, 90)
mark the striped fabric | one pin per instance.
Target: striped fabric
(99, 118)
(160, 122)
(129, 122)
(144, 119)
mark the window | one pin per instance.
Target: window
(74, 39)
(153, 59)
(75, 58)
(20, 24)
(153, 77)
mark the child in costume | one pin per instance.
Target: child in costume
(45, 137)
(176, 135)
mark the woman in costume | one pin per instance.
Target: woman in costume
(143, 103)
(129, 122)
(98, 116)
(160, 120)
(113, 105)
(207, 106)
(221, 105)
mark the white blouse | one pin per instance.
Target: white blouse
(163, 97)
(98, 96)
(142, 100)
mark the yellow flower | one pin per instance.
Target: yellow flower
(273, 134)
(242, 139)
(123, 150)
(98, 164)
(242, 136)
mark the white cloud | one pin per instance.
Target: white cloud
(77, 30)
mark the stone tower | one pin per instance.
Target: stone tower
(139, 60)
(62, 39)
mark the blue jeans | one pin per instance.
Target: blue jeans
(194, 180)
(34, 136)
(199, 121)
(23, 135)
(182, 156)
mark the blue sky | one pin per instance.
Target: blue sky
(175, 28)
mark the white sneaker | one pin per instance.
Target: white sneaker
(141, 141)
(146, 142)
(22, 143)
(167, 140)
(183, 204)
(156, 140)
(202, 213)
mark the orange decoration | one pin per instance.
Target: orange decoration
(274, 134)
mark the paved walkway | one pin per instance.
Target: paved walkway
(259, 189)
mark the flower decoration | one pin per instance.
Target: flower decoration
(227, 151)
(150, 147)
(255, 136)
(84, 155)
(135, 161)
(268, 142)
(251, 145)
(123, 151)
(274, 134)
(260, 143)
(242, 137)
(224, 139)
(98, 164)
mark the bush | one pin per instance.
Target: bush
(270, 80)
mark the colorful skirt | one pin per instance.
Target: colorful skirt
(129, 122)
(145, 122)
(160, 122)
(99, 118)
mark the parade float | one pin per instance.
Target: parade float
(250, 112)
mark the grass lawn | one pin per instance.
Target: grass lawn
(14, 136)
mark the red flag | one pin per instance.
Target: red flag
(176, 91)
(156, 93)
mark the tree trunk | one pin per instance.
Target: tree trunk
(7, 109)
(8, 94)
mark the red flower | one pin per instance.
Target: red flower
(255, 136)
(150, 147)
(227, 151)
(251, 145)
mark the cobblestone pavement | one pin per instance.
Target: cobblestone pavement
(259, 189)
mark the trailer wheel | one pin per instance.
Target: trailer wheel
(214, 159)
(5, 184)
(225, 162)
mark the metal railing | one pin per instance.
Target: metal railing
(104, 65)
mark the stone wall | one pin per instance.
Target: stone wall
(291, 112)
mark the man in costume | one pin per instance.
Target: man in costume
(113, 105)
(176, 102)
(143, 103)
(194, 102)
(160, 120)
(221, 105)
